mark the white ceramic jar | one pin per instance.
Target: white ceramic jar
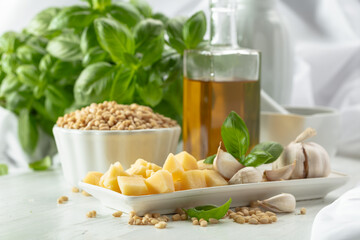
(260, 26)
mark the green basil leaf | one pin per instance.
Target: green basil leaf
(41, 85)
(94, 55)
(16, 101)
(65, 47)
(3, 169)
(72, 17)
(41, 165)
(151, 93)
(115, 38)
(123, 87)
(125, 13)
(28, 74)
(9, 84)
(27, 131)
(235, 135)
(273, 148)
(58, 96)
(210, 159)
(194, 30)
(9, 63)
(209, 211)
(61, 69)
(94, 83)
(100, 4)
(161, 17)
(149, 39)
(143, 7)
(40, 23)
(46, 62)
(88, 39)
(256, 158)
(174, 30)
(29, 54)
(9, 42)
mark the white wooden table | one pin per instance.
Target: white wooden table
(28, 210)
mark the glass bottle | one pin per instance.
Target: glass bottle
(217, 80)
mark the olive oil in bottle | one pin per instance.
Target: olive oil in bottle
(217, 80)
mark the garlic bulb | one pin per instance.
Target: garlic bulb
(284, 202)
(226, 164)
(280, 174)
(246, 175)
(311, 159)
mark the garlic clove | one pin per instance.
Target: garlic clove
(226, 164)
(292, 153)
(284, 202)
(246, 175)
(283, 173)
(318, 160)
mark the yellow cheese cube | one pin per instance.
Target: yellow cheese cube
(93, 178)
(160, 182)
(187, 161)
(213, 178)
(173, 166)
(140, 167)
(202, 165)
(193, 179)
(133, 186)
(177, 185)
(109, 179)
(149, 173)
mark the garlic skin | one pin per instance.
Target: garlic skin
(246, 175)
(283, 173)
(226, 164)
(284, 202)
(311, 159)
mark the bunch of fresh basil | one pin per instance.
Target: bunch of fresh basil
(235, 136)
(71, 57)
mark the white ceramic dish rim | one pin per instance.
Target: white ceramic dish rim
(316, 111)
(198, 191)
(114, 132)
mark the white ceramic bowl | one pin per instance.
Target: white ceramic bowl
(82, 151)
(284, 128)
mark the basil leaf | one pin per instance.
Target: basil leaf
(72, 17)
(65, 47)
(161, 17)
(235, 135)
(123, 87)
(194, 30)
(9, 42)
(9, 63)
(94, 55)
(174, 30)
(94, 83)
(46, 62)
(125, 13)
(29, 54)
(41, 165)
(58, 96)
(143, 7)
(88, 39)
(210, 159)
(9, 84)
(256, 158)
(27, 131)
(3, 169)
(40, 23)
(65, 69)
(149, 39)
(16, 101)
(273, 148)
(209, 211)
(29, 75)
(151, 93)
(115, 38)
(100, 4)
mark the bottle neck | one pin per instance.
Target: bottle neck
(223, 23)
(258, 4)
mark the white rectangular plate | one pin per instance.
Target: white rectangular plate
(241, 194)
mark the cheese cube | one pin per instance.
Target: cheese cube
(193, 179)
(93, 178)
(213, 178)
(177, 185)
(173, 166)
(140, 167)
(133, 186)
(109, 179)
(187, 161)
(160, 182)
(149, 173)
(202, 165)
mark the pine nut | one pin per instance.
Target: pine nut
(303, 211)
(117, 214)
(91, 214)
(176, 217)
(161, 225)
(75, 190)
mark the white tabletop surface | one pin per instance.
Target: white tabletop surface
(28, 210)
